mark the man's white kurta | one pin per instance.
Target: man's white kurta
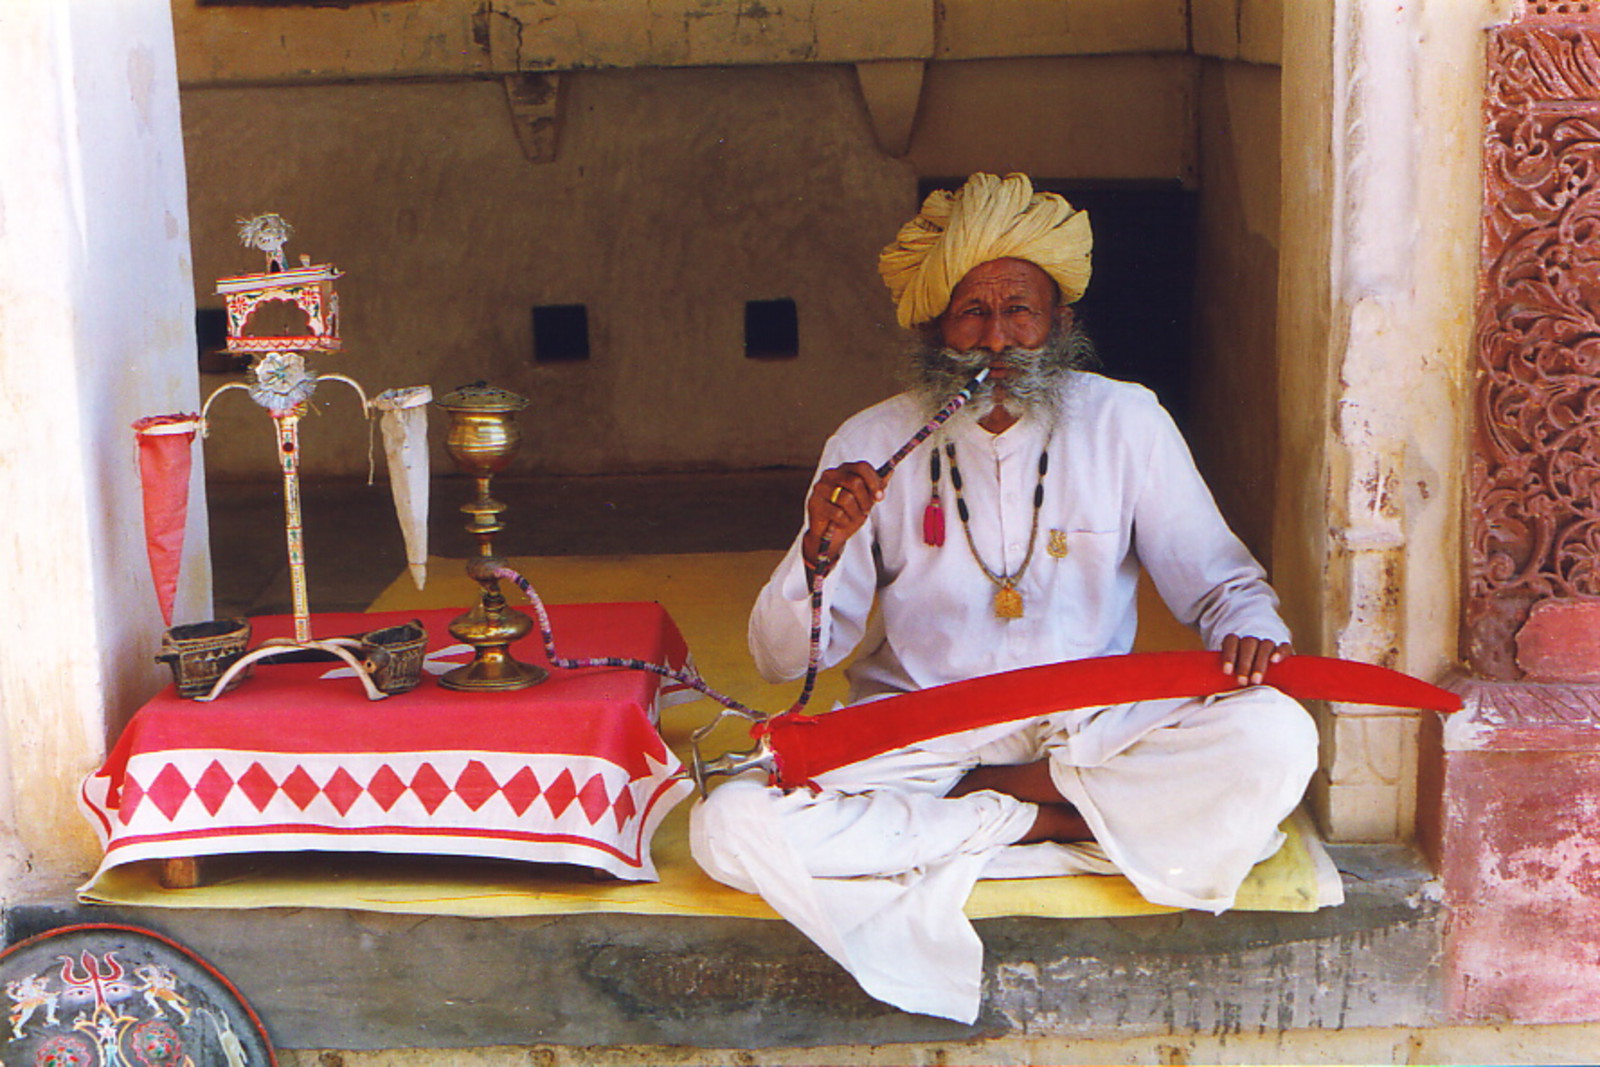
(1183, 796)
(1122, 490)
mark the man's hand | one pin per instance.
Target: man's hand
(838, 507)
(1247, 658)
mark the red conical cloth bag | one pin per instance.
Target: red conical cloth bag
(165, 456)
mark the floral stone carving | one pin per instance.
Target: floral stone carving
(1535, 478)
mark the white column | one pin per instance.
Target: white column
(1381, 112)
(96, 330)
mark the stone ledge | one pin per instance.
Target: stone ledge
(1511, 785)
(439, 982)
(1526, 716)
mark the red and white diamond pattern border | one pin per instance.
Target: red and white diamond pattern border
(537, 807)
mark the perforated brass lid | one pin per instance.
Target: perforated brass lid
(481, 396)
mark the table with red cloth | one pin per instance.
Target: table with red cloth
(296, 758)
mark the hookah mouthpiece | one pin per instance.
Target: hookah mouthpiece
(953, 405)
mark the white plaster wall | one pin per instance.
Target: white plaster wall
(96, 314)
(1450, 88)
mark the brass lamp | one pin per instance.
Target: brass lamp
(482, 440)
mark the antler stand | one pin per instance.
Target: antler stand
(286, 418)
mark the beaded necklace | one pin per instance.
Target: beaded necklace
(1007, 598)
(689, 677)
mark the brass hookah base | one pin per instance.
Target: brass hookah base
(490, 626)
(483, 437)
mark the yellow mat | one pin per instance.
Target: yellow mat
(708, 595)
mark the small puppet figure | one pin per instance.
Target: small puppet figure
(267, 233)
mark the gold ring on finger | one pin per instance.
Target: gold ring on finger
(833, 497)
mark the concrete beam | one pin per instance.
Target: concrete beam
(220, 45)
(892, 90)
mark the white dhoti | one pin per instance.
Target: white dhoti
(1183, 797)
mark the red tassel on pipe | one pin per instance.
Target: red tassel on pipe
(933, 523)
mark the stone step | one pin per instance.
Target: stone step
(360, 980)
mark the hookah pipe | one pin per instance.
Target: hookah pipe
(802, 751)
(761, 755)
(825, 560)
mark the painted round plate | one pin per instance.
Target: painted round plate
(103, 995)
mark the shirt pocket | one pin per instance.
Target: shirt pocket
(1091, 581)
(1090, 551)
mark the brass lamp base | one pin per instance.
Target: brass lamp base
(490, 627)
(493, 672)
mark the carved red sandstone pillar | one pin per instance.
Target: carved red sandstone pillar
(1510, 802)
(1533, 604)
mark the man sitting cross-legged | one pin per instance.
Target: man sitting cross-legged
(1057, 484)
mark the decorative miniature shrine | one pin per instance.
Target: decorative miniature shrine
(209, 657)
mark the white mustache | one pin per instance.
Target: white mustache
(1030, 375)
(1037, 375)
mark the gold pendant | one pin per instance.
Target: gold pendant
(1058, 544)
(1007, 602)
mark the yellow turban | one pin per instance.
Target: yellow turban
(988, 218)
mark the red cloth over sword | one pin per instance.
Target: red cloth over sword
(808, 745)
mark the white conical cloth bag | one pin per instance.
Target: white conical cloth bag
(405, 445)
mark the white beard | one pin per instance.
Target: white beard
(1039, 382)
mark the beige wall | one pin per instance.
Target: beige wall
(454, 38)
(1300, 528)
(1076, 117)
(675, 196)
(1247, 30)
(1234, 378)
(678, 193)
(974, 29)
(408, 185)
(1234, 382)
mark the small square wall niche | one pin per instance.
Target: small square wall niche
(560, 333)
(771, 329)
(211, 332)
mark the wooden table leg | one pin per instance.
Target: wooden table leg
(181, 872)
